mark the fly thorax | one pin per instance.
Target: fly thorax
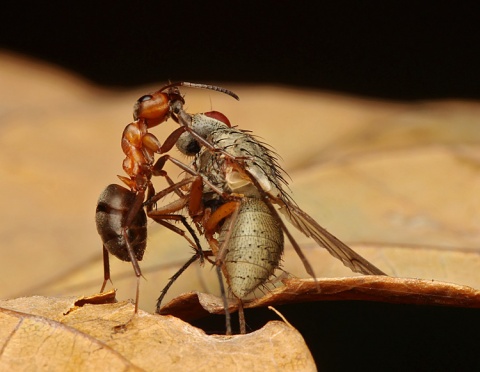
(204, 125)
(211, 166)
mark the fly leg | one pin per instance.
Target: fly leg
(228, 210)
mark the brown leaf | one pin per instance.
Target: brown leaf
(36, 334)
(96, 299)
(194, 305)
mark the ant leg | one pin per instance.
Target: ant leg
(157, 170)
(171, 140)
(137, 206)
(161, 194)
(164, 291)
(106, 268)
(160, 218)
(199, 255)
(136, 268)
(165, 213)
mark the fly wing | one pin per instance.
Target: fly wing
(308, 226)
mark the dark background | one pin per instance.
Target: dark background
(374, 336)
(378, 49)
(397, 50)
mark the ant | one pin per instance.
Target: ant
(120, 216)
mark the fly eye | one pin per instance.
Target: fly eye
(146, 97)
(218, 116)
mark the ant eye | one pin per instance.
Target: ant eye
(144, 98)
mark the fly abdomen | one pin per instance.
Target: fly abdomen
(254, 248)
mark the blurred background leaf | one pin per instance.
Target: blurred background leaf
(396, 181)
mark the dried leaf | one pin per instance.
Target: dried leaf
(194, 305)
(41, 333)
(96, 299)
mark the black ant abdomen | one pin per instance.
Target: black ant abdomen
(114, 205)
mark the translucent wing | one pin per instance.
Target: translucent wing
(252, 160)
(308, 226)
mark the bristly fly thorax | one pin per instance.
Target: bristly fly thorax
(249, 152)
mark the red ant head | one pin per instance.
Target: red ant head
(155, 108)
